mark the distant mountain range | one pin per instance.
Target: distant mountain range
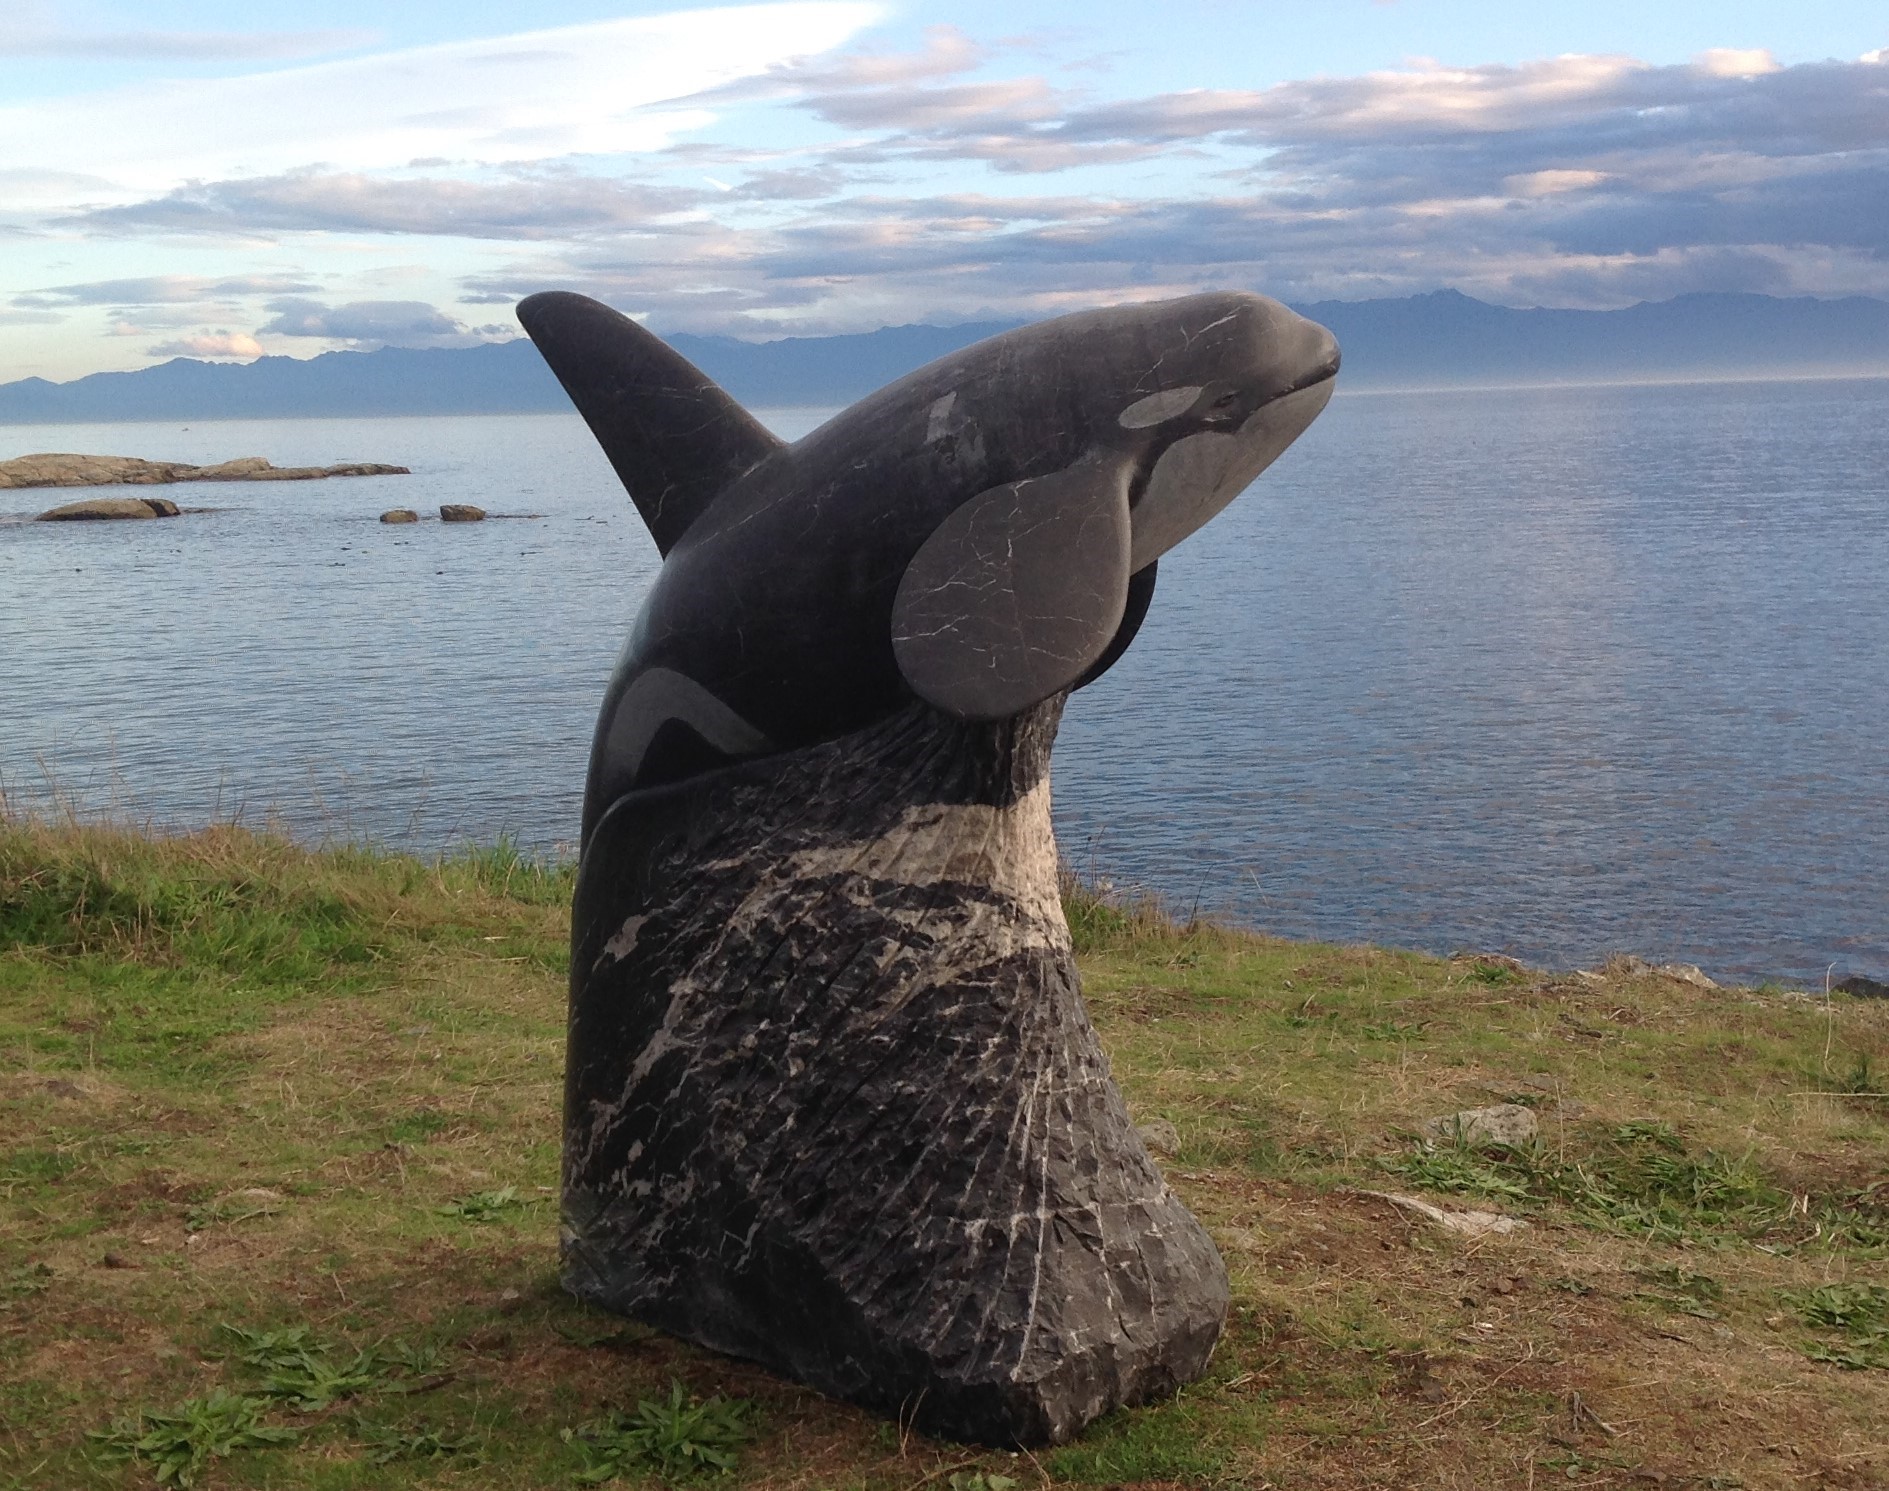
(1441, 340)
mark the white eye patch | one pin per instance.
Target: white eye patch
(1158, 407)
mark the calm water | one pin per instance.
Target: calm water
(1552, 672)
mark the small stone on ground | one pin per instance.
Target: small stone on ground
(1506, 1123)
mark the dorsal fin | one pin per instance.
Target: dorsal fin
(674, 436)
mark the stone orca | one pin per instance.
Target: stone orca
(980, 535)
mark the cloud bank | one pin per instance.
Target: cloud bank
(529, 96)
(738, 171)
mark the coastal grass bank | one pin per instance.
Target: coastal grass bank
(278, 1150)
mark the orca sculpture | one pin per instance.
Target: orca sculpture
(832, 1101)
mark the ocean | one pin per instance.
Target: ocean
(1556, 673)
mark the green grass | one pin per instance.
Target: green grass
(278, 1158)
(675, 1439)
(176, 1445)
(1641, 1178)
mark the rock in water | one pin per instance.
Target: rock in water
(834, 1103)
(460, 512)
(400, 515)
(63, 470)
(98, 508)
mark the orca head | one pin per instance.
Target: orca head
(1240, 377)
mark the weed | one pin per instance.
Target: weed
(314, 1382)
(980, 1480)
(1493, 974)
(308, 1375)
(1683, 1292)
(485, 1206)
(414, 1360)
(1857, 1313)
(1459, 1170)
(1860, 1081)
(387, 1443)
(1855, 1308)
(270, 1349)
(677, 1439)
(180, 1443)
(28, 1279)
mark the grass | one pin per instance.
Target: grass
(178, 1444)
(675, 1439)
(278, 1156)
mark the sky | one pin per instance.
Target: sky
(209, 179)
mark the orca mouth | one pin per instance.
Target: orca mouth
(1302, 355)
(1320, 373)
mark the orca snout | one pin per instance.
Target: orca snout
(1291, 351)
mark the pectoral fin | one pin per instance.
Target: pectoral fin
(1016, 594)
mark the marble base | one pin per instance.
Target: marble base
(834, 1103)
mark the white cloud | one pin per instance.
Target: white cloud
(1734, 62)
(209, 344)
(529, 96)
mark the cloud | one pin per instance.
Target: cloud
(1732, 62)
(946, 52)
(1587, 173)
(521, 206)
(21, 186)
(191, 45)
(164, 289)
(921, 185)
(398, 323)
(209, 344)
(530, 96)
(1572, 102)
(1573, 181)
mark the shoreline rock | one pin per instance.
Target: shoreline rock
(65, 470)
(98, 509)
